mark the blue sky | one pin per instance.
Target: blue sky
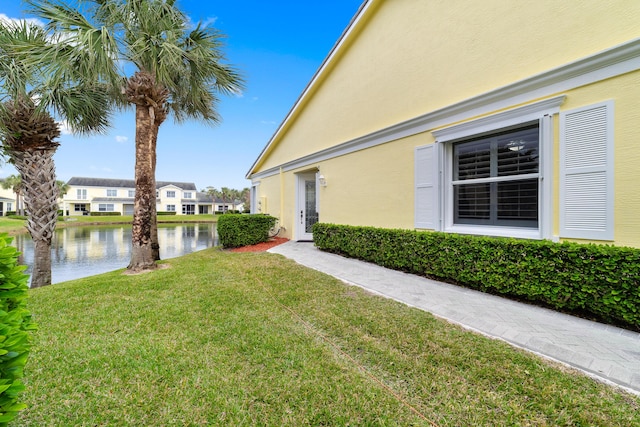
(276, 45)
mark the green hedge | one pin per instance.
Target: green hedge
(15, 324)
(105, 213)
(597, 281)
(235, 230)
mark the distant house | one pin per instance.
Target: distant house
(7, 201)
(117, 195)
(497, 118)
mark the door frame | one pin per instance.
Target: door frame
(300, 233)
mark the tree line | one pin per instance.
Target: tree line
(230, 196)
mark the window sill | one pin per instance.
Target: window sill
(515, 232)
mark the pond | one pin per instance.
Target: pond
(84, 251)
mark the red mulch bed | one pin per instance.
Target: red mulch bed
(261, 247)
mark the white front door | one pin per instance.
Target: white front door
(307, 206)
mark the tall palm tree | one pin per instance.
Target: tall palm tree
(178, 71)
(32, 95)
(14, 182)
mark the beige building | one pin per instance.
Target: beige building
(117, 195)
(7, 201)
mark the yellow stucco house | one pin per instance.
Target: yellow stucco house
(117, 195)
(500, 118)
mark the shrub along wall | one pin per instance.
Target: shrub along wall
(15, 322)
(98, 213)
(597, 281)
(235, 230)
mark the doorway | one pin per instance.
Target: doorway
(307, 206)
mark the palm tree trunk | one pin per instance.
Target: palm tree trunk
(40, 198)
(155, 245)
(142, 257)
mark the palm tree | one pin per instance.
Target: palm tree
(14, 182)
(214, 194)
(234, 195)
(178, 71)
(31, 96)
(245, 196)
(63, 189)
(225, 194)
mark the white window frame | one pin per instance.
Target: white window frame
(81, 193)
(171, 194)
(188, 194)
(106, 207)
(543, 113)
(112, 192)
(132, 193)
(171, 208)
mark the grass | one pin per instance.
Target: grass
(247, 339)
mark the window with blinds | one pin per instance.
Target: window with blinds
(496, 178)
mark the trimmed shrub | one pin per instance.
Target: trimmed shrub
(165, 213)
(15, 324)
(235, 230)
(10, 213)
(596, 281)
(105, 214)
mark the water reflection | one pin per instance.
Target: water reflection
(84, 251)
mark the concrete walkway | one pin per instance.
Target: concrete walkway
(605, 352)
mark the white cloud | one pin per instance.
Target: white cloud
(121, 139)
(5, 18)
(64, 128)
(100, 169)
(209, 21)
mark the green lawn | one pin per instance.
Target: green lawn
(8, 225)
(232, 339)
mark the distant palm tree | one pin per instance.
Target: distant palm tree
(179, 71)
(245, 197)
(63, 188)
(14, 182)
(214, 194)
(35, 85)
(225, 195)
(235, 196)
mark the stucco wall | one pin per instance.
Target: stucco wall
(412, 57)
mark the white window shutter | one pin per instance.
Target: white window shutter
(586, 172)
(426, 181)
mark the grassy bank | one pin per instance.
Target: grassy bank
(224, 339)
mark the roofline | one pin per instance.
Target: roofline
(325, 63)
